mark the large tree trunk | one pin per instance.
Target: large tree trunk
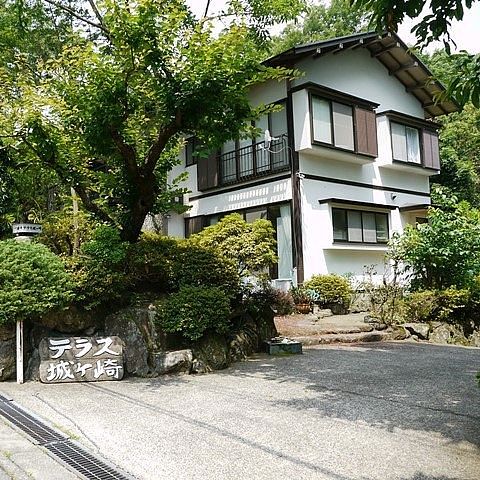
(143, 200)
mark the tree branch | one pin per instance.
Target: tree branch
(72, 12)
(206, 8)
(127, 152)
(90, 205)
(159, 145)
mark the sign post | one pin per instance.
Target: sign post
(20, 377)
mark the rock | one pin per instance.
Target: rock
(337, 308)
(135, 327)
(399, 332)
(33, 366)
(71, 320)
(474, 339)
(370, 319)
(361, 302)
(199, 367)
(179, 361)
(380, 326)
(7, 352)
(322, 312)
(421, 330)
(441, 334)
(212, 350)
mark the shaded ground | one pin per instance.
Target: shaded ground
(380, 411)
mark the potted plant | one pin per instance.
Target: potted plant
(303, 299)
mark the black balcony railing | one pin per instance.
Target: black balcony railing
(254, 161)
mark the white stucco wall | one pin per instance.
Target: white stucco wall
(355, 72)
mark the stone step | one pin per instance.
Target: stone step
(377, 336)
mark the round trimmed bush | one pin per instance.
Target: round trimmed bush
(330, 288)
(33, 281)
(193, 310)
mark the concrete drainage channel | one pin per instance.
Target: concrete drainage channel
(84, 464)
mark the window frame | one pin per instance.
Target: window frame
(193, 140)
(355, 103)
(361, 211)
(420, 142)
(331, 101)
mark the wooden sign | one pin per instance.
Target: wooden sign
(80, 359)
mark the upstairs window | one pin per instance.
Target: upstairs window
(359, 227)
(405, 143)
(343, 122)
(190, 151)
(333, 123)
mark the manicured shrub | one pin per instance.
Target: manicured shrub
(99, 271)
(152, 261)
(330, 289)
(195, 265)
(251, 246)
(33, 281)
(194, 310)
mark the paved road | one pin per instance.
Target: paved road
(381, 411)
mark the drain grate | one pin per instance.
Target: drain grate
(39, 432)
(84, 462)
(69, 453)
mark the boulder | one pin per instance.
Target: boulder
(380, 326)
(322, 312)
(399, 332)
(72, 320)
(134, 326)
(337, 308)
(198, 366)
(441, 334)
(179, 361)
(212, 350)
(474, 338)
(7, 352)
(421, 330)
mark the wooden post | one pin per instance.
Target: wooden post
(20, 351)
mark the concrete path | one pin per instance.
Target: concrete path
(366, 412)
(22, 460)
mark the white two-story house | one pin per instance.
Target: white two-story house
(353, 150)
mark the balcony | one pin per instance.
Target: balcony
(254, 161)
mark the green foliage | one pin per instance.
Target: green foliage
(322, 22)
(100, 271)
(331, 289)
(302, 295)
(250, 245)
(194, 310)
(152, 261)
(445, 251)
(201, 265)
(33, 281)
(110, 91)
(62, 231)
(449, 305)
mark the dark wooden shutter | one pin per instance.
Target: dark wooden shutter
(207, 172)
(193, 225)
(431, 156)
(366, 131)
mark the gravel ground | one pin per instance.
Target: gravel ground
(377, 411)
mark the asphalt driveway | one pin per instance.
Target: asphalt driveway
(379, 411)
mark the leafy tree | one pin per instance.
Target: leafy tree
(388, 14)
(327, 20)
(250, 245)
(445, 251)
(105, 108)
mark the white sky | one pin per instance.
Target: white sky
(466, 33)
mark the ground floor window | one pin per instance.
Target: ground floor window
(359, 226)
